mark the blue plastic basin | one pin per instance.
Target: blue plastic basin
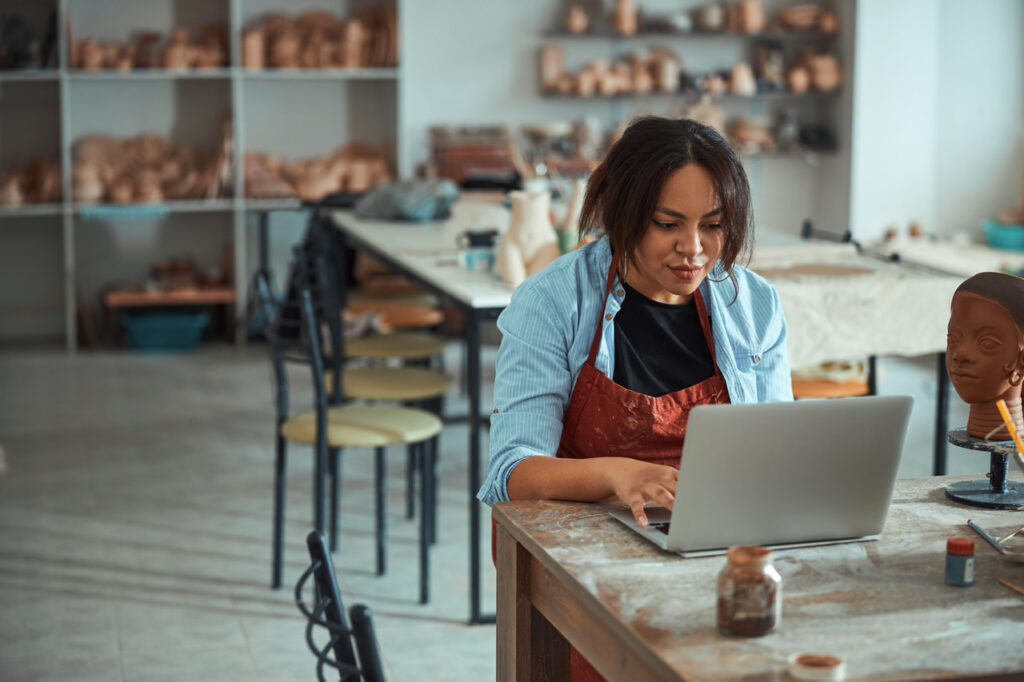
(1005, 237)
(164, 332)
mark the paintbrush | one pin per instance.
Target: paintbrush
(1005, 413)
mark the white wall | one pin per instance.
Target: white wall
(938, 102)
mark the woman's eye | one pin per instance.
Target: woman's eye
(713, 226)
(664, 226)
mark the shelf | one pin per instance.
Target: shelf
(148, 211)
(284, 204)
(31, 210)
(690, 94)
(687, 35)
(16, 75)
(375, 73)
(184, 297)
(149, 74)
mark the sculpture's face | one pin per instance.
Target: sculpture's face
(983, 350)
(682, 242)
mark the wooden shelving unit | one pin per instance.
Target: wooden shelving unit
(236, 81)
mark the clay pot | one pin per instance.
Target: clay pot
(586, 83)
(125, 59)
(10, 190)
(91, 55)
(800, 17)
(751, 16)
(825, 72)
(666, 69)
(178, 53)
(359, 176)
(122, 190)
(87, 186)
(147, 189)
(284, 49)
(828, 23)
(353, 44)
(798, 79)
(551, 67)
(253, 48)
(710, 17)
(741, 80)
(577, 19)
(625, 17)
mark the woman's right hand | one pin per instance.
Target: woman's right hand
(636, 483)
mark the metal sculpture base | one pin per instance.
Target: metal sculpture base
(997, 492)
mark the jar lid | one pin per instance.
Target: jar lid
(817, 667)
(960, 545)
(745, 554)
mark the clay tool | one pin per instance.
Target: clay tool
(1005, 414)
(1019, 590)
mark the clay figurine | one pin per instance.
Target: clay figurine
(530, 244)
(178, 53)
(550, 67)
(741, 80)
(825, 72)
(985, 350)
(253, 48)
(751, 16)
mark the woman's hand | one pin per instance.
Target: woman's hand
(636, 483)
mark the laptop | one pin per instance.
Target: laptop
(796, 474)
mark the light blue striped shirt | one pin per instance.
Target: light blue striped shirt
(549, 324)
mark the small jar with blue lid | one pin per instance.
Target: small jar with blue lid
(959, 561)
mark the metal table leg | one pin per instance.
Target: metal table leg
(941, 412)
(472, 322)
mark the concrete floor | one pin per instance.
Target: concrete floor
(135, 521)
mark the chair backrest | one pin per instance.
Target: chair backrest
(361, 662)
(292, 333)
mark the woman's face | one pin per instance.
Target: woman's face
(983, 347)
(683, 240)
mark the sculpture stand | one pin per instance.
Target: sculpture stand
(996, 493)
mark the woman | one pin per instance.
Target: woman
(604, 353)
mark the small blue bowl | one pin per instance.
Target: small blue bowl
(1005, 237)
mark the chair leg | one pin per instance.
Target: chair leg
(334, 454)
(379, 474)
(280, 461)
(426, 517)
(410, 481)
(433, 447)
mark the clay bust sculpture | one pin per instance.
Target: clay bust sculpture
(985, 350)
(530, 244)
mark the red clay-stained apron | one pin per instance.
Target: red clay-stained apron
(607, 420)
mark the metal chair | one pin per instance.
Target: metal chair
(413, 383)
(330, 428)
(329, 612)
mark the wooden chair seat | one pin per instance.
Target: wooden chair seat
(420, 297)
(393, 383)
(399, 314)
(828, 388)
(402, 345)
(365, 426)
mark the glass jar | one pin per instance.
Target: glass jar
(749, 593)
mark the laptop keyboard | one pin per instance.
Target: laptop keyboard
(661, 526)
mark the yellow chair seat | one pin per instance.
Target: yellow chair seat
(828, 388)
(393, 383)
(365, 426)
(405, 345)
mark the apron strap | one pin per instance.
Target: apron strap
(597, 333)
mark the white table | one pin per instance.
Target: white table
(426, 253)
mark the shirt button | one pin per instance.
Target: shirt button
(608, 316)
(757, 358)
(495, 412)
(620, 292)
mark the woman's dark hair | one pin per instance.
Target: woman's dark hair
(623, 191)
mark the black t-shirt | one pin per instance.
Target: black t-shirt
(659, 347)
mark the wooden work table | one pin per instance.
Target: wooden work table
(567, 572)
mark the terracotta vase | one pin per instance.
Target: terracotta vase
(798, 79)
(284, 49)
(10, 191)
(825, 72)
(253, 48)
(530, 244)
(625, 17)
(577, 19)
(751, 16)
(551, 67)
(178, 53)
(90, 55)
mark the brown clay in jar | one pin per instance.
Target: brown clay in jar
(749, 593)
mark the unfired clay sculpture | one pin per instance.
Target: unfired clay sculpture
(530, 244)
(985, 350)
